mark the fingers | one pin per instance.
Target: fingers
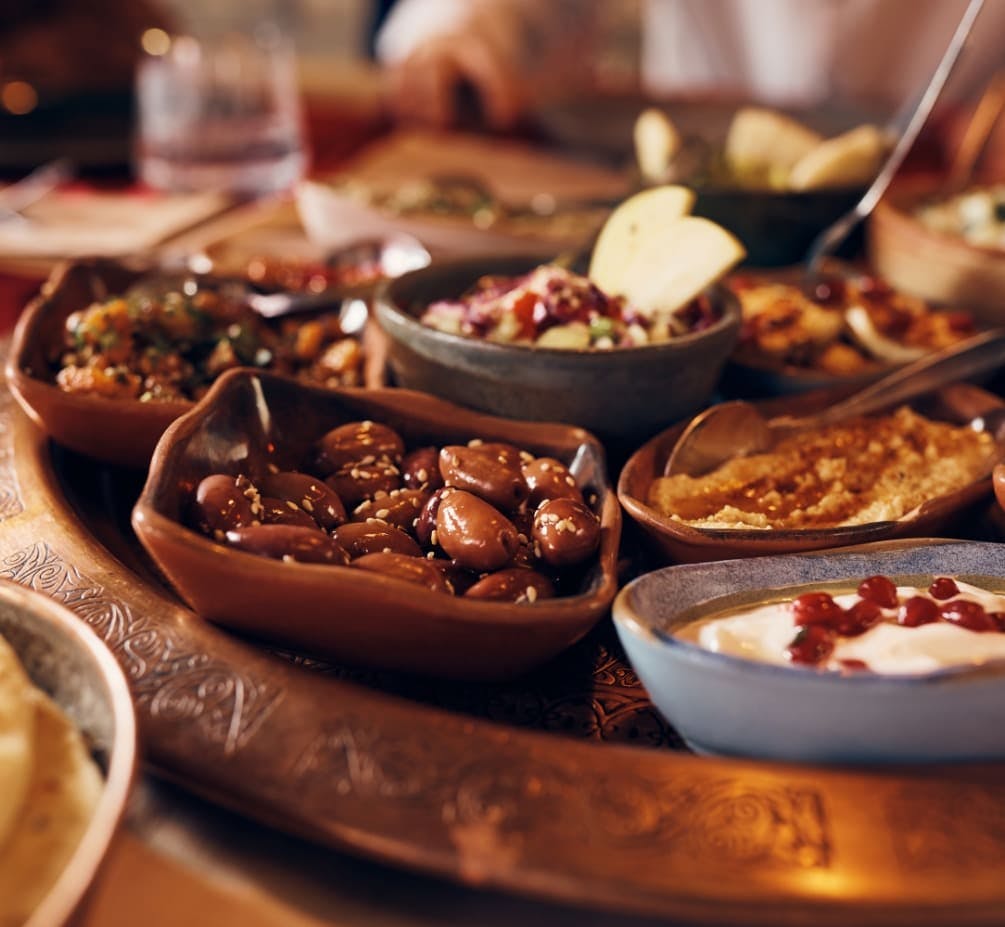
(497, 85)
(424, 87)
(421, 88)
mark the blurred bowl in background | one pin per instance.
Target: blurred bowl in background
(936, 266)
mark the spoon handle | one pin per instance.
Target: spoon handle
(831, 237)
(981, 354)
(978, 133)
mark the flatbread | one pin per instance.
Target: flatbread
(17, 723)
(63, 792)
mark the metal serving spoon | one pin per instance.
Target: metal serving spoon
(907, 125)
(738, 429)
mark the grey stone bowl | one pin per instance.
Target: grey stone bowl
(623, 395)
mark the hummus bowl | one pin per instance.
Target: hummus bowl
(677, 540)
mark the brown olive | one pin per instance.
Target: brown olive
(282, 512)
(515, 584)
(373, 537)
(358, 481)
(426, 525)
(400, 507)
(460, 579)
(288, 543)
(411, 569)
(473, 533)
(420, 469)
(500, 449)
(316, 498)
(523, 521)
(355, 443)
(566, 532)
(548, 478)
(485, 471)
(224, 502)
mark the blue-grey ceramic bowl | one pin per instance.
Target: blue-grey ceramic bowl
(730, 706)
(623, 395)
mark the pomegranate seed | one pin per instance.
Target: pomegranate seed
(967, 615)
(943, 588)
(816, 608)
(879, 589)
(918, 611)
(829, 292)
(873, 286)
(812, 644)
(854, 665)
(859, 618)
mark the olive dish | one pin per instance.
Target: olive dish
(386, 608)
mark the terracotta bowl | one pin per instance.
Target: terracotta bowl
(115, 431)
(675, 542)
(66, 660)
(620, 395)
(342, 612)
(938, 267)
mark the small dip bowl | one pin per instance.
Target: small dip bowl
(678, 542)
(68, 662)
(728, 705)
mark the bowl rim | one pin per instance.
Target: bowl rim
(386, 303)
(149, 521)
(77, 877)
(627, 617)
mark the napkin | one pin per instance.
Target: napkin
(75, 222)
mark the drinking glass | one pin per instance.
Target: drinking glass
(221, 113)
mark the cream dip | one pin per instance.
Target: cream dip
(766, 632)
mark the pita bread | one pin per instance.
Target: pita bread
(17, 722)
(64, 789)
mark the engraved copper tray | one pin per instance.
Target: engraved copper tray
(450, 780)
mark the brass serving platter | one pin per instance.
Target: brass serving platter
(448, 780)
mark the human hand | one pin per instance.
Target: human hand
(426, 86)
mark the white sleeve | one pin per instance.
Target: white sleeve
(413, 22)
(522, 28)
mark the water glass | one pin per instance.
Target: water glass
(220, 113)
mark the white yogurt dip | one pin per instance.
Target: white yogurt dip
(764, 634)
